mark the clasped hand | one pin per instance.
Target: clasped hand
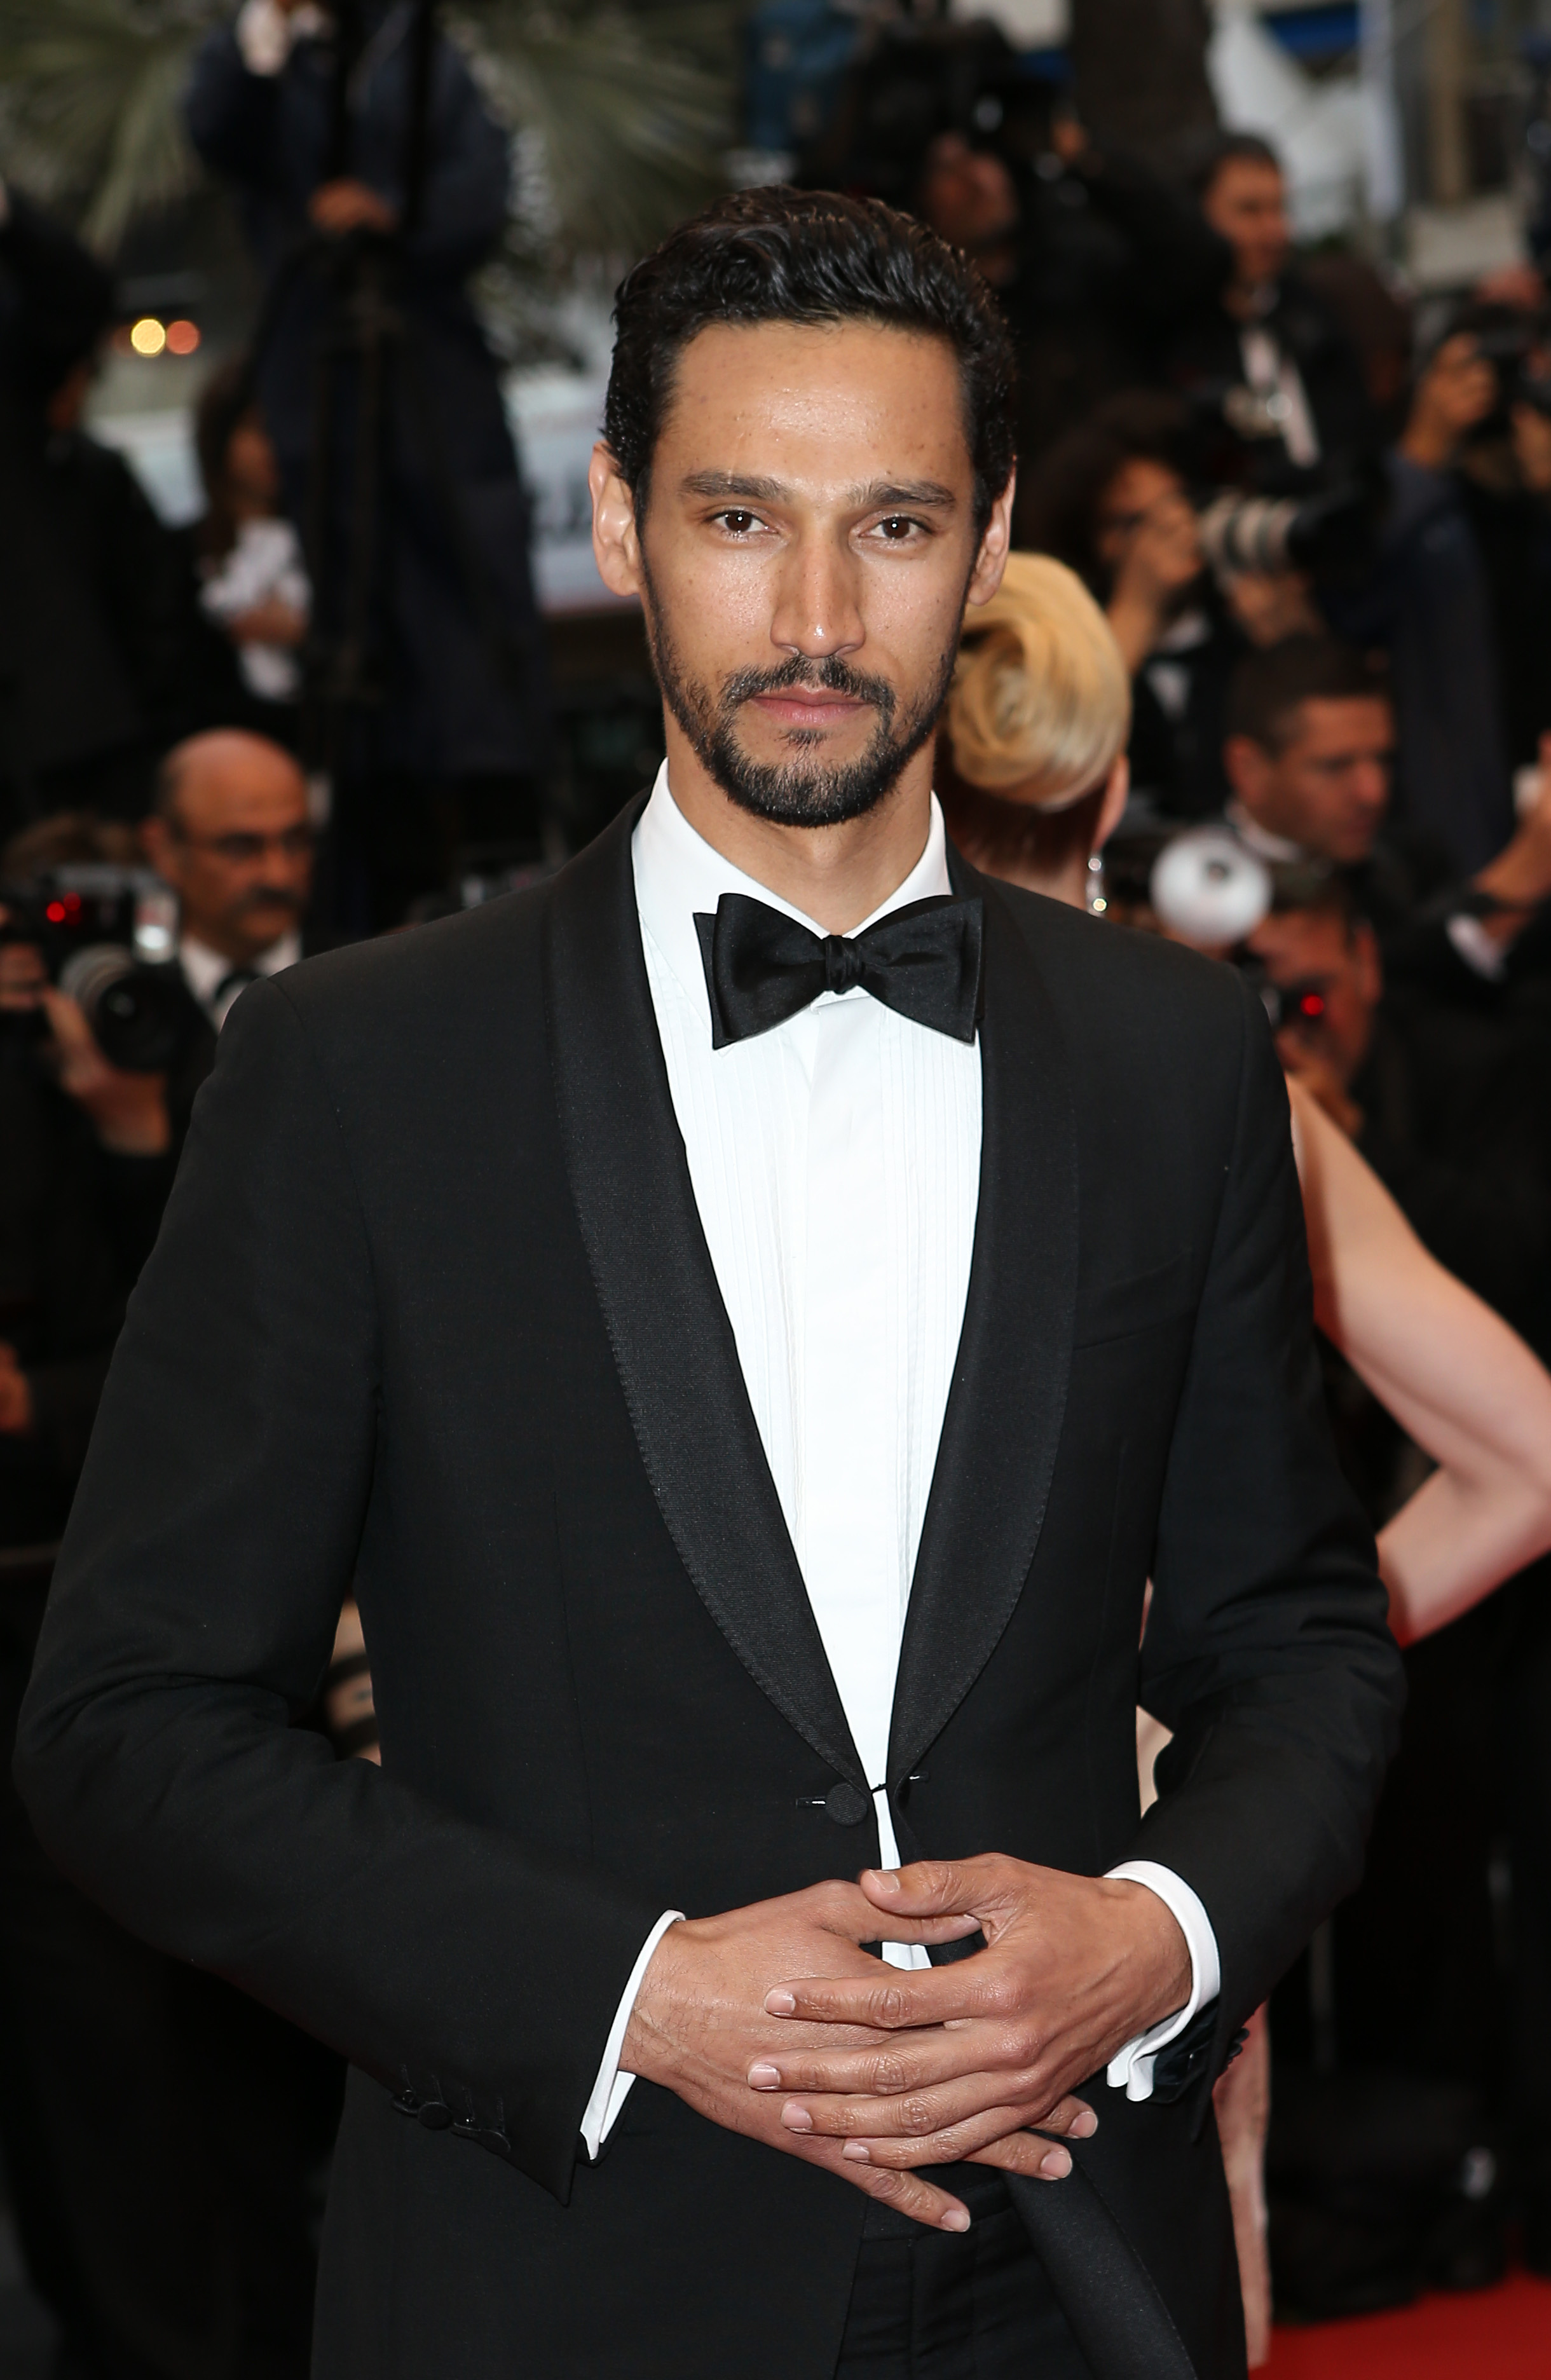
(774, 2022)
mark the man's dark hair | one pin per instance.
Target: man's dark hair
(1058, 500)
(779, 255)
(1269, 687)
(1230, 149)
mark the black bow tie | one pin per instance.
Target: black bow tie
(762, 967)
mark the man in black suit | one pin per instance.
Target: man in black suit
(749, 1315)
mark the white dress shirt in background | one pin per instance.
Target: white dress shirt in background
(835, 1163)
(215, 980)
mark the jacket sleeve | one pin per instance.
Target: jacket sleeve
(1267, 1649)
(193, 1609)
(463, 210)
(233, 116)
(1178, 263)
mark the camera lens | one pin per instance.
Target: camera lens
(138, 1015)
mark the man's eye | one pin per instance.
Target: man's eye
(897, 527)
(739, 523)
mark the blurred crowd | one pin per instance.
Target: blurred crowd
(1318, 523)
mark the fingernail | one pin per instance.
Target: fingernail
(1085, 2126)
(763, 2076)
(795, 2118)
(884, 1879)
(1056, 2165)
(858, 2152)
(956, 2219)
(781, 2003)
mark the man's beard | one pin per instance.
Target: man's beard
(790, 792)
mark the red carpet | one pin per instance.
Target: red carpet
(1501, 2333)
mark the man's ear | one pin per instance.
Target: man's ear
(156, 841)
(1112, 809)
(1370, 971)
(614, 542)
(995, 544)
(1246, 765)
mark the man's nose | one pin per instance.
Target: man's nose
(817, 610)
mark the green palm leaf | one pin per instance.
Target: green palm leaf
(628, 109)
(93, 115)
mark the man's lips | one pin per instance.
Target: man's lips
(808, 706)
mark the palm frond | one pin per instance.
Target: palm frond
(93, 113)
(627, 108)
(629, 128)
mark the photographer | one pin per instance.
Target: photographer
(87, 1169)
(161, 2133)
(1309, 753)
(373, 181)
(1462, 596)
(1268, 331)
(1110, 500)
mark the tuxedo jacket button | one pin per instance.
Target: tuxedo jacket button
(435, 2115)
(847, 1804)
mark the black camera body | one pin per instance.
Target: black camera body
(108, 936)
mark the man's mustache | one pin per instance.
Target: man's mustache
(271, 896)
(833, 674)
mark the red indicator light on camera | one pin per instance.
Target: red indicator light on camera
(55, 912)
(1312, 1006)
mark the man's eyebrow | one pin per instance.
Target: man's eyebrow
(919, 496)
(734, 483)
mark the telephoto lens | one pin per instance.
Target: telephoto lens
(138, 1015)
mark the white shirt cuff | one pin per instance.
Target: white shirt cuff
(612, 2088)
(266, 33)
(1131, 2068)
(1480, 952)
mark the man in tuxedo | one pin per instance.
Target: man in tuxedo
(749, 1315)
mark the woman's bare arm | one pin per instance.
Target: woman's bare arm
(1455, 1377)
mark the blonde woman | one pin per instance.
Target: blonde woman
(1033, 780)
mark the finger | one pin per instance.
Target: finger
(919, 2115)
(902, 2000)
(844, 1909)
(898, 2067)
(956, 2143)
(898, 2188)
(936, 1888)
(1022, 2152)
(66, 1020)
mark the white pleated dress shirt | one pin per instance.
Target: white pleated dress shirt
(835, 1163)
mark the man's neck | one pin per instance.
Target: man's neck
(836, 875)
(1265, 841)
(236, 954)
(1250, 302)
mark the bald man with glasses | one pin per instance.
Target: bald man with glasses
(232, 835)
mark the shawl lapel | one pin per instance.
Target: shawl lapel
(999, 1433)
(671, 1339)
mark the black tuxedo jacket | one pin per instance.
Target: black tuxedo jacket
(431, 1310)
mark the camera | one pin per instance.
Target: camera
(108, 936)
(1325, 530)
(1518, 347)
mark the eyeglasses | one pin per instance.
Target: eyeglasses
(241, 850)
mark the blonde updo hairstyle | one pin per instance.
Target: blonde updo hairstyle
(1038, 713)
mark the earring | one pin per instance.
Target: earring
(1098, 899)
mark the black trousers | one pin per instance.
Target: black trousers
(965, 2305)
